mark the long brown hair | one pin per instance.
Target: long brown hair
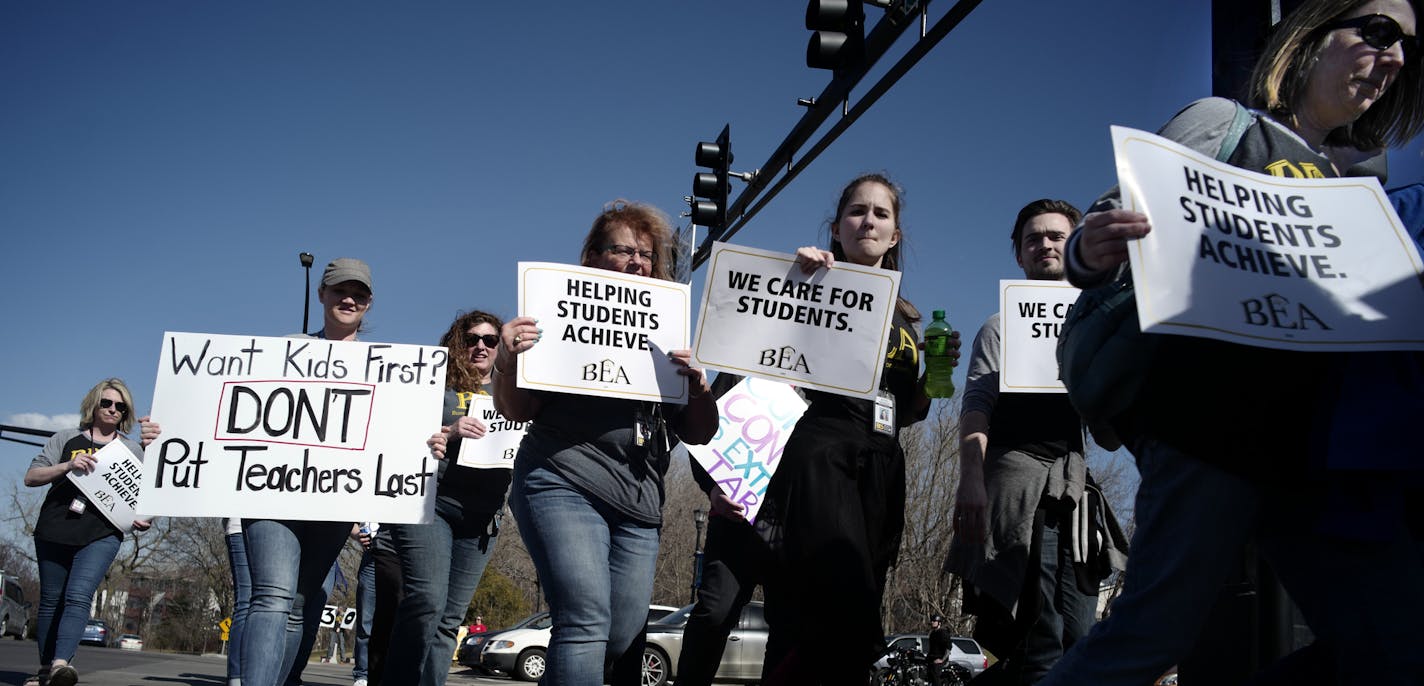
(891, 260)
(460, 374)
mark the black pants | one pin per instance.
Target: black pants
(732, 565)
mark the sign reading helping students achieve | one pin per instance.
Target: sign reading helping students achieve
(1031, 315)
(113, 484)
(605, 333)
(294, 428)
(762, 316)
(1289, 263)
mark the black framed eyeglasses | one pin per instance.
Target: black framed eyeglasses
(1379, 31)
(627, 252)
(119, 405)
(490, 340)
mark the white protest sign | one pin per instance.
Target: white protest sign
(1031, 315)
(606, 333)
(294, 428)
(1288, 263)
(348, 619)
(112, 487)
(497, 448)
(756, 419)
(761, 316)
(328, 617)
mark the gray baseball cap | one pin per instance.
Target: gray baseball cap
(347, 269)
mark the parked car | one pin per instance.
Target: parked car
(470, 648)
(521, 652)
(96, 633)
(130, 642)
(14, 611)
(962, 651)
(741, 661)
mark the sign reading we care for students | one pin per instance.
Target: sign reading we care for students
(762, 316)
(293, 428)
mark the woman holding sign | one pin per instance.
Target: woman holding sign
(288, 560)
(74, 543)
(835, 509)
(588, 481)
(442, 562)
(1229, 439)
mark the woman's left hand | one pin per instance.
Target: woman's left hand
(142, 524)
(697, 384)
(148, 430)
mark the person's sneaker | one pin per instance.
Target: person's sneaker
(63, 675)
(359, 682)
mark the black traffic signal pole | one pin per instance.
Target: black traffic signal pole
(42, 433)
(835, 95)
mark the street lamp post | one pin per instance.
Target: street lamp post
(699, 517)
(307, 260)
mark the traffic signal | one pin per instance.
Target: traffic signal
(839, 39)
(710, 189)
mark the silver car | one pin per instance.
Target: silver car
(14, 610)
(746, 647)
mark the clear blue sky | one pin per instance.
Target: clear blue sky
(163, 162)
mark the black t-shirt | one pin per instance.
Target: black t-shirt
(466, 497)
(57, 523)
(900, 378)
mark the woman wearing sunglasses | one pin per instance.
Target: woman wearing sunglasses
(442, 562)
(588, 483)
(1228, 438)
(74, 544)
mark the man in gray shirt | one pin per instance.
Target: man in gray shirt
(1027, 510)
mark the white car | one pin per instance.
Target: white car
(130, 642)
(521, 652)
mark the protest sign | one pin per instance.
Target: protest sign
(1031, 317)
(329, 614)
(756, 419)
(294, 428)
(1288, 263)
(606, 333)
(112, 486)
(348, 619)
(497, 448)
(761, 316)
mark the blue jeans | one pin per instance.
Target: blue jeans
(69, 575)
(1192, 520)
(289, 560)
(439, 573)
(365, 610)
(241, 599)
(1066, 613)
(303, 622)
(579, 546)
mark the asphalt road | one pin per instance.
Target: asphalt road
(114, 667)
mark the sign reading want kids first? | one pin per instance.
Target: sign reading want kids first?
(293, 428)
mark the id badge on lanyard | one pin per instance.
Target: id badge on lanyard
(883, 420)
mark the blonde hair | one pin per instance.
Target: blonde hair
(1279, 79)
(90, 404)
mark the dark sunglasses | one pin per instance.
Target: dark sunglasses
(1379, 31)
(490, 340)
(119, 405)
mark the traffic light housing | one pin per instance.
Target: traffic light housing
(839, 39)
(710, 189)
